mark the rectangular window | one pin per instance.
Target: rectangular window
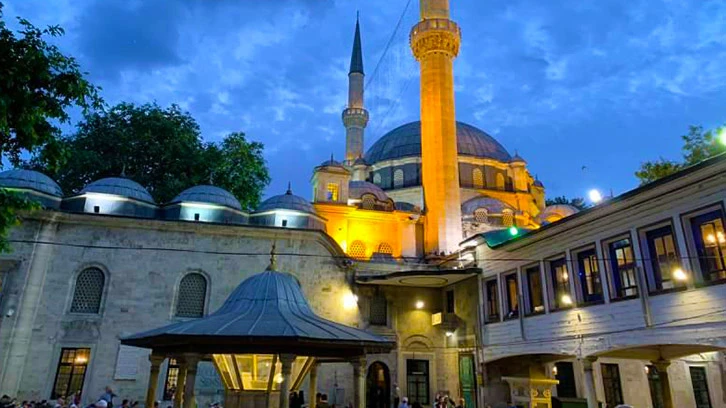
(565, 374)
(172, 380)
(589, 274)
(700, 387)
(512, 295)
(535, 290)
(655, 385)
(450, 301)
(560, 283)
(196, 216)
(378, 312)
(284, 223)
(661, 244)
(70, 372)
(417, 381)
(332, 192)
(623, 270)
(492, 305)
(710, 242)
(611, 385)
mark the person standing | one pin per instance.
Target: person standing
(396, 395)
(404, 403)
(108, 396)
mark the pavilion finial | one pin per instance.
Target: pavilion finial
(123, 171)
(273, 257)
(211, 178)
(289, 188)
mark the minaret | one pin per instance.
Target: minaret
(435, 43)
(355, 117)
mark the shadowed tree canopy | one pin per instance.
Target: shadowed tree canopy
(38, 84)
(161, 149)
(697, 146)
(577, 202)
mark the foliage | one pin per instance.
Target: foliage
(697, 146)
(576, 202)
(161, 149)
(38, 83)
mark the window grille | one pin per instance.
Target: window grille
(88, 292)
(332, 192)
(481, 215)
(478, 178)
(385, 248)
(398, 178)
(368, 202)
(377, 179)
(379, 310)
(357, 250)
(507, 218)
(192, 296)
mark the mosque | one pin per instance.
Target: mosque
(428, 264)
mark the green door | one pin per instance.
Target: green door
(467, 381)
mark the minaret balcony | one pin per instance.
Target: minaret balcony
(435, 35)
(355, 117)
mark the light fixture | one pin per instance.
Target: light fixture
(554, 371)
(647, 370)
(565, 276)
(566, 300)
(449, 333)
(595, 196)
(419, 304)
(711, 239)
(278, 378)
(81, 360)
(350, 301)
(513, 231)
(720, 237)
(679, 275)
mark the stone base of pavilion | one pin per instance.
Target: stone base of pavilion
(264, 341)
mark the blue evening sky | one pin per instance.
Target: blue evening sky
(584, 90)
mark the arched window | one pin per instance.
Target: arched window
(500, 181)
(368, 202)
(507, 218)
(357, 250)
(398, 178)
(192, 296)
(385, 248)
(377, 179)
(481, 215)
(477, 178)
(88, 292)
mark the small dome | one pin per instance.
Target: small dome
(538, 183)
(556, 212)
(287, 201)
(491, 204)
(360, 162)
(31, 180)
(356, 190)
(407, 207)
(208, 194)
(121, 187)
(517, 159)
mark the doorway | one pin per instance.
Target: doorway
(378, 386)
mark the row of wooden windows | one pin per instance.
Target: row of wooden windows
(662, 265)
(89, 290)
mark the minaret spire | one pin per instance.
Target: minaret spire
(355, 116)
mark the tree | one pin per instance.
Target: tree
(161, 149)
(697, 146)
(38, 84)
(577, 202)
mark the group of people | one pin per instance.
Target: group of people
(441, 401)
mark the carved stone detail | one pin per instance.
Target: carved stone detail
(435, 35)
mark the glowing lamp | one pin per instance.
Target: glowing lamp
(419, 304)
(350, 301)
(449, 334)
(513, 231)
(594, 196)
(554, 370)
(566, 300)
(278, 378)
(722, 136)
(647, 370)
(679, 275)
(565, 276)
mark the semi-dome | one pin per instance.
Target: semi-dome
(356, 189)
(287, 201)
(209, 195)
(491, 204)
(405, 141)
(31, 180)
(556, 212)
(121, 187)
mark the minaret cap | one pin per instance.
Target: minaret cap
(356, 59)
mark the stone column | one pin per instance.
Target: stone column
(286, 361)
(313, 386)
(156, 361)
(180, 382)
(590, 392)
(665, 386)
(359, 382)
(191, 377)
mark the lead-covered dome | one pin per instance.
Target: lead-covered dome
(121, 187)
(208, 195)
(356, 189)
(30, 180)
(287, 201)
(405, 141)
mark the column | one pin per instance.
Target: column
(191, 377)
(180, 382)
(665, 385)
(359, 382)
(156, 361)
(286, 361)
(590, 382)
(313, 386)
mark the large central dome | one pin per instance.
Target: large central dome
(405, 141)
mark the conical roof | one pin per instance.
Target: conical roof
(356, 58)
(266, 313)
